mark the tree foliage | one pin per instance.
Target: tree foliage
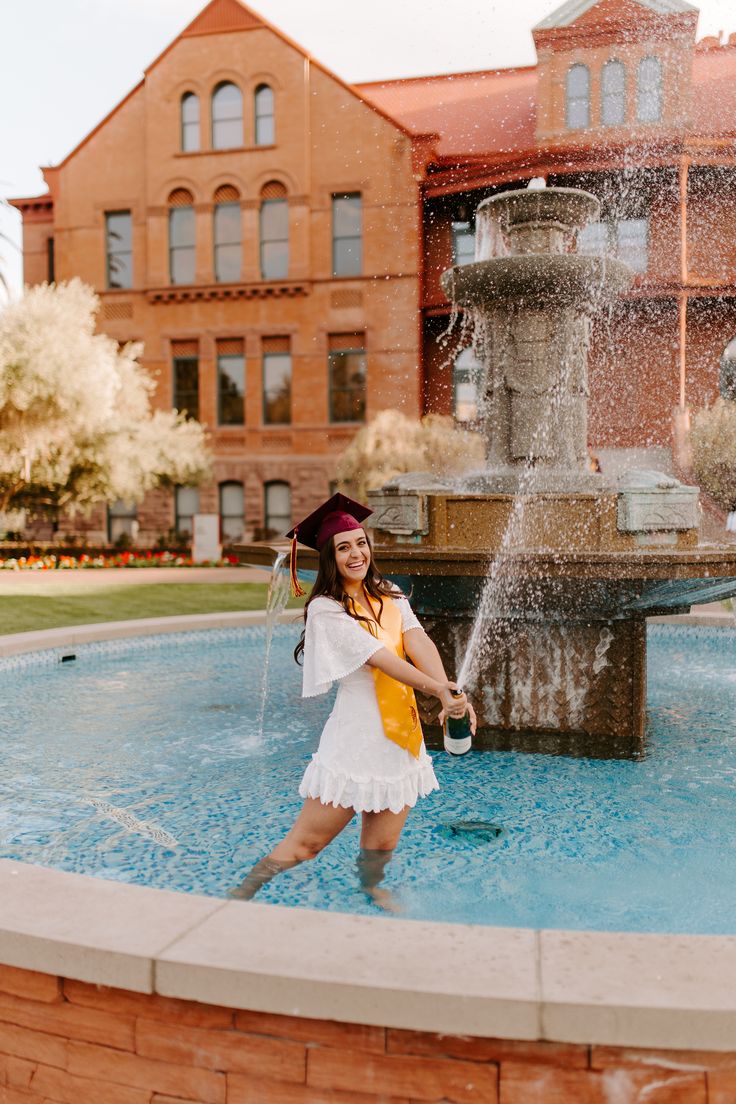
(76, 424)
(714, 451)
(392, 444)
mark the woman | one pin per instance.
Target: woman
(371, 757)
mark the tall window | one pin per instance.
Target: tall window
(50, 261)
(227, 235)
(347, 234)
(232, 511)
(632, 243)
(347, 372)
(465, 376)
(649, 90)
(627, 239)
(122, 522)
(189, 122)
(181, 237)
(613, 94)
(463, 242)
(185, 365)
(186, 506)
(276, 381)
(277, 508)
(577, 97)
(227, 116)
(230, 382)
(119, 248)
(264, 116)
(727, 375)
(274, 232)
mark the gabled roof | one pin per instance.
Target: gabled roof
(569, 12)
(222, 15)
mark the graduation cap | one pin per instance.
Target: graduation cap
(338, 514)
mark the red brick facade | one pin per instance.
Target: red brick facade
(67, 1042)
(422, 153)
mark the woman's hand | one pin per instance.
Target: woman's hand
(455, 706)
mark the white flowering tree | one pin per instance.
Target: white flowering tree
(76, 424)
(392, 444)
(713, 437)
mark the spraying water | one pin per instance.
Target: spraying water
(278, 596)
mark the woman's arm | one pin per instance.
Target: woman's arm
(404, 672)
(423, 653)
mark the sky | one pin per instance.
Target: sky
(56, 85)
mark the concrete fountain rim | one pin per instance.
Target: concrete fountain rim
(618, 989)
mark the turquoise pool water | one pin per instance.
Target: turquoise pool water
(142, 761)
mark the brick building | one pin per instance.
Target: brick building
(276, 237)
(253, 220)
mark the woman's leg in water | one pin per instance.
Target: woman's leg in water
(378, 839)
(315, 827)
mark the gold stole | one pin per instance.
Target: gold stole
(396, 701)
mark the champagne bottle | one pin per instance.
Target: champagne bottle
(458, 737)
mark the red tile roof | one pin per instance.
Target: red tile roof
(473, 113)
(492, 113)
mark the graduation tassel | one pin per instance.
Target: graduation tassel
(296, 590)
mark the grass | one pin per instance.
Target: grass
(24, 612)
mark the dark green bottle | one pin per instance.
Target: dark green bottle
(458, 736)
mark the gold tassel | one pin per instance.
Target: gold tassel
(296, 590)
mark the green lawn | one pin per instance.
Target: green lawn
(23, 612)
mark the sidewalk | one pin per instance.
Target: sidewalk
(89, 578)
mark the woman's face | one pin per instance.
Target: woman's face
(352, 555)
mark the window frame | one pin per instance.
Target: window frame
(219, 246)
(228, 119)
(176, 360)
(222, 516)
(266, 355)
(259, 116)
(189, 97)
(268, 486)
(178, 514)
(642, 91)
(613, 95)
(338, 238)
(112, 253)
(221, 396)
(264, 242)
(177, 251)
(579, 98)
(332, 390)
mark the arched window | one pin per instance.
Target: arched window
(274, 232)
(577, 97)
(265, 130)
(181, 237)
(227, 116)
(613, 94)
(277, 508)
(727, 380)
(186, 506)
(232, 511)
(465, 377)
(649, 90)
(227, 235)
(189, 122)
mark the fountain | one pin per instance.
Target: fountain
(536, 570)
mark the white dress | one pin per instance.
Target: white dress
(356, 766)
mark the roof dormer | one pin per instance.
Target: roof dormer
(621, 67)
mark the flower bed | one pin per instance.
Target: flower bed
(66, 562)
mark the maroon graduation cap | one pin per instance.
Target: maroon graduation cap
(338, 514)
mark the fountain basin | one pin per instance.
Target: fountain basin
(564, 280)
(529, 1002)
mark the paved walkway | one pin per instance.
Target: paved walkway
(88, 578)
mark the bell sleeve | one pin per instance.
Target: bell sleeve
(335, 645)
(409, 619)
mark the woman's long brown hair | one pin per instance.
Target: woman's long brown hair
(328, 584)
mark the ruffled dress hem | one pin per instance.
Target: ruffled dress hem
(369, 795)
